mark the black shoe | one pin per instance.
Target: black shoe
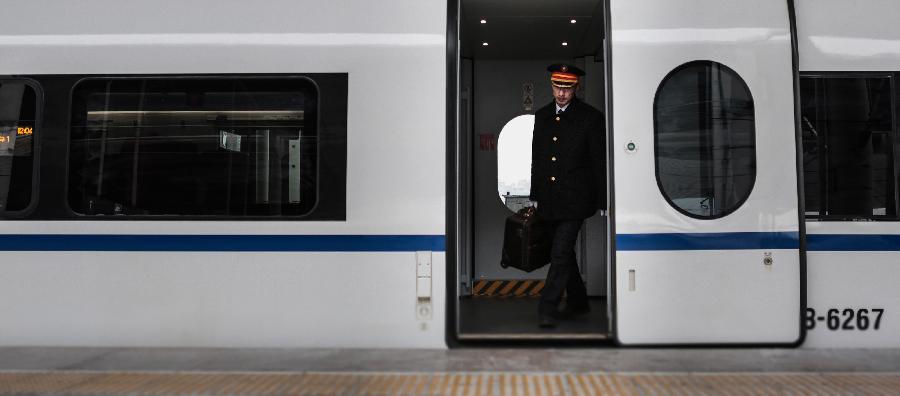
(570, 312)
(547, 321)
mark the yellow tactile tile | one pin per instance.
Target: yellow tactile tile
(454, 384)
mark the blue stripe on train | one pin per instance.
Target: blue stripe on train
(410, 243)
(758, 240)
(708, 241)
(852, 242)
(223, 243)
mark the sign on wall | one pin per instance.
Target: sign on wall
(528, 96)
(487, 141)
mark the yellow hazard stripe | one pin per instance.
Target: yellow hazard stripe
(507, 288)
(523, 288)
(479, 286)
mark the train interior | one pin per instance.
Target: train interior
(505, 48)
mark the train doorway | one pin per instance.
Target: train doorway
(505, 48)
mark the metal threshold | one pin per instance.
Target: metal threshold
(534, 336)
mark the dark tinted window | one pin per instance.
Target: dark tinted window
(194, 146)
(18, 114)
(704, 136)
(847, 124)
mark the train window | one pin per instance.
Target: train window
(514, 162)
(228, 147)
(704, 136)
(847, 125)
(18, 117)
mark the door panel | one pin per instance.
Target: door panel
(681, 276)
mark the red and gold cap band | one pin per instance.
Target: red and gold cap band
(563, 80)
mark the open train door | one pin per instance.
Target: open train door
(706, 211)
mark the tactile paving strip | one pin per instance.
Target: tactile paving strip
(461, 384)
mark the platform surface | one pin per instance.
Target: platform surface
(487, 371)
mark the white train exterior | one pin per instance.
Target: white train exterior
(382, 273)
(394, 56)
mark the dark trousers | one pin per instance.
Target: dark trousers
(563, 275)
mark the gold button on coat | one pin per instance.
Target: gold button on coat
(552, 158)
(552, 178)
(557, 118)
(554, 138)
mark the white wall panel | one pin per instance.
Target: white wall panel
(231, 16)
(692, 297)
(841, 35)
(853, 280)
(217, 300)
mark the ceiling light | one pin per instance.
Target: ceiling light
(485, 21)
(572, 21)
(484, 44)
(565, 43)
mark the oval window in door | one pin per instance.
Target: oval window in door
(704, 138)
(514, 162)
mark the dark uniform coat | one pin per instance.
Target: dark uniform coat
(568, 161)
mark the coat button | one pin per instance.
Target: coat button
(553, 159)
(552, 178)
(554, 138)
(557, 118)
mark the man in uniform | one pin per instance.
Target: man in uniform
(568, 185)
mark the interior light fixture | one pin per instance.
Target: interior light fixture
(572, 21)
(484, 44)
(484, 21)
(565, 43)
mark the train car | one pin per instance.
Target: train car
(298, 174)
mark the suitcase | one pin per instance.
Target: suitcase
(526, 241)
